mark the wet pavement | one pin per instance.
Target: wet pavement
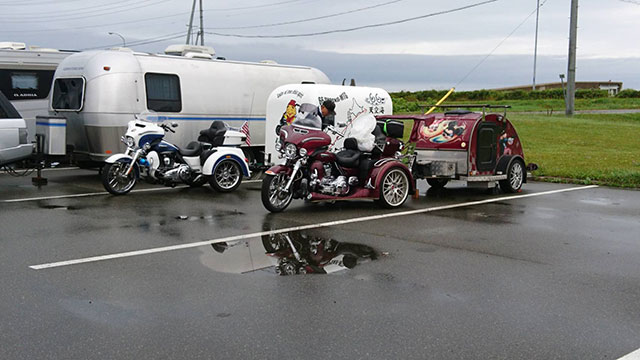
(549, 276)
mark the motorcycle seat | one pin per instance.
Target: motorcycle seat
(350, 156)
(214, 134)
(193, 148)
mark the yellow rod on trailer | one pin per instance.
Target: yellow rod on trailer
(440, 101)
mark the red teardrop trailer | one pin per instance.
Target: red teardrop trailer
(477, 147)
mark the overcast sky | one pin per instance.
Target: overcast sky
(439, 51)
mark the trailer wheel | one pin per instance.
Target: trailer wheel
(226, 177)
(394, 188)
(515, 177)
(437, 183)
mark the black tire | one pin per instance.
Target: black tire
(437, 183)
(273, 198)
(114, 180)
(394, 188)
(515, 177)
(273, 243)
(226, 177)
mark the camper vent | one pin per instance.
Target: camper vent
(12, 46)
(194, 55)
(184, 50)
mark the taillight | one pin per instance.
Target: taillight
(22, 136)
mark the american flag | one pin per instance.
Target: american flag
(245, 130)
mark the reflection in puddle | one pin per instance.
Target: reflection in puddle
(288, 254)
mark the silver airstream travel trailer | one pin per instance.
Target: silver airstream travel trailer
(26, 74)
(99, 92)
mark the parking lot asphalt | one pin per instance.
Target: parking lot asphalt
(551, 272)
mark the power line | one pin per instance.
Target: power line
(499, 44)
(71, 12)
(354, 28)
(94, 15)
(97, 26)
(142, 41)
(306, 20)
(255, 6)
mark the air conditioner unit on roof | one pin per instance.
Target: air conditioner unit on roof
(183, 49)
(7, 45)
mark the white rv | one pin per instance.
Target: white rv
(26, 74)
(99, 92)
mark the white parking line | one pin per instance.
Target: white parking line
(297, 228)
(101, 193)
(631, 356)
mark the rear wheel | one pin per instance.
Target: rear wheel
(437, 183)
(226, 177)
(274, 198)
(115, 180)
(515, 177)
(394, 188)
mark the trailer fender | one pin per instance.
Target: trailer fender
(222, 154)
(506, 160)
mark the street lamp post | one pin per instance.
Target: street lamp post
(124, 43)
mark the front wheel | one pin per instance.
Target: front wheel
(515, 177)
(115, 180)
(394, 188)
(226, 177)
(274, 198)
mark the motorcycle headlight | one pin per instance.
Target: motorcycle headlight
(290, 151)
(303, 152)
(130, 141)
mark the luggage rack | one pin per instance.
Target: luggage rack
(473, 106)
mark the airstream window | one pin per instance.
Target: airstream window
(68, 94)
(163, 92)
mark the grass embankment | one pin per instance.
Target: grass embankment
(556, 106)
(587, 149)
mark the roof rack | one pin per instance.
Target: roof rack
(475, 106)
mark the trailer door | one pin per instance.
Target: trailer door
(487, 146)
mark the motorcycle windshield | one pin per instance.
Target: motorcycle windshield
(151, 117)
(308, 116)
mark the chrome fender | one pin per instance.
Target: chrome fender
(224, 153)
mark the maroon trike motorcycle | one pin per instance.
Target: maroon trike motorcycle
(314, 173)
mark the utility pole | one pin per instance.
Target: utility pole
(193, 10)
(571, 68)
(535, 48)
(201, 26)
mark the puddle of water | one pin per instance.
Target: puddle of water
(287, 254)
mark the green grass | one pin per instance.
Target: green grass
(589, 149)
(557, 105)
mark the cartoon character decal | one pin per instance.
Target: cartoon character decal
(289, 114)
(443, 131)
(505, 144)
